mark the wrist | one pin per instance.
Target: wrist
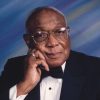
(24, 88)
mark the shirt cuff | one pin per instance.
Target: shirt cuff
(13, 94)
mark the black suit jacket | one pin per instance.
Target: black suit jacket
(81, 79)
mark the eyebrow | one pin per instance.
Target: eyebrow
(42, 28)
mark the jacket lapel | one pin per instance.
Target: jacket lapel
(73, 81)
(34, 94)
(4, 95)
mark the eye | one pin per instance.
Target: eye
(40, 35)
(61, 30)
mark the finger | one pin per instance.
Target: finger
(43, 63)
(31, 54)
(39, 55)
(39, 71)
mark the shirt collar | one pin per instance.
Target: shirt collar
(63, 66)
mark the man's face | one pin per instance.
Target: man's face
(54, 49)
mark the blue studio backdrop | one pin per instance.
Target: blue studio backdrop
(83, 18)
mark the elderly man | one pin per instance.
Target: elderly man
(50, 71)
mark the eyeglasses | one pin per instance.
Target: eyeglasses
(40, 36)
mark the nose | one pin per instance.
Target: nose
(52, 41)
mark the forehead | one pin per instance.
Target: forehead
(49, 20)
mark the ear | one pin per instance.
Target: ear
(29, 41)
(26, 38)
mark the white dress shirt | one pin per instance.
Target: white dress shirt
(50, 89)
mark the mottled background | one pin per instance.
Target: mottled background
(83, 18)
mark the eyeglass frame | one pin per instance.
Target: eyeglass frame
(67, 29)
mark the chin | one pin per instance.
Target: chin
(56, 63)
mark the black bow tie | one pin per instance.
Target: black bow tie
(54, 72)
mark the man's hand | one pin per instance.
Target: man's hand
(33, 72)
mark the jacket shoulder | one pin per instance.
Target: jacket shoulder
(84, 63)
(84, 57)
(13, 72)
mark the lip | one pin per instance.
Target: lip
(53, 55)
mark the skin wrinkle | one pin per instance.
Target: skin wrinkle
(51, 53)
(50, 20)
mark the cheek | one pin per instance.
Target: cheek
(41, 47)
(65, 43)
(66, 47)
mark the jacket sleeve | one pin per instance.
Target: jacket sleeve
(13, 73)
